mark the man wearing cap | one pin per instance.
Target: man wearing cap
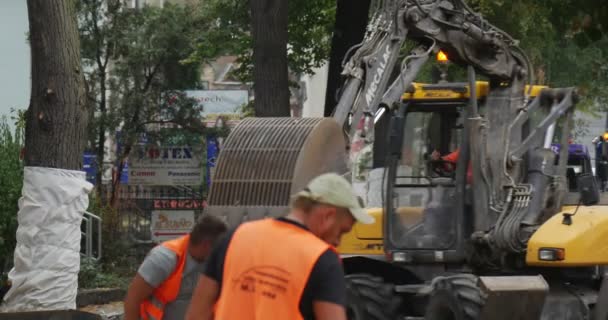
(283, 268)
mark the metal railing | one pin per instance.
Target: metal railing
(91, 248)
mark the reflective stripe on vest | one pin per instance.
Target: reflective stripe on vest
(266, 268)
(153, 308)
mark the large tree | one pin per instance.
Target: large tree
(57, 114)
(233, 28)
(351, 21)
(100, 23)
(270, 79)
(55, 192)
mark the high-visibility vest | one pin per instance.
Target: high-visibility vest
(266, 268)
(153, 308)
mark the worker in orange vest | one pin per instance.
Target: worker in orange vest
(163, 285)
(284, 268)
(452, 159)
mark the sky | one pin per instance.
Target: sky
(14, 56)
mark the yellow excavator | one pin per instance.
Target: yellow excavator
(479, 212)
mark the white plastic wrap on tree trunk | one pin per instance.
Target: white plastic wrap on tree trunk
(47, 256)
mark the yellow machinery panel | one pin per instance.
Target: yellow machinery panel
(364, 239)
(582, 243)
(423, 91)
(367, 239)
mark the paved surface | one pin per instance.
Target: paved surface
(111, 311)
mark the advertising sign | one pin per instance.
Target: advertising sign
(167, 225)
(179, 204)
(220, 102)
(89, 165)
(166, 166)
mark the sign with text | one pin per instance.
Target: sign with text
(166, 166)
(179, 204)
(168, 225)
(220, 102)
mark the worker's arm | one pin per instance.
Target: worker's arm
(203, 299)
(154, 270)
(139, 290)
(328, 311)
(209, 283)
(328, 288)
(452, 157)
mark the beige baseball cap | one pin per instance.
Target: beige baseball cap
(335, 190)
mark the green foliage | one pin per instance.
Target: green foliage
(149, 68)
(11, 182)
(113, 249)
(227, 31)
(566, 41)
(132, 60)
(115, 267)
(93, 275)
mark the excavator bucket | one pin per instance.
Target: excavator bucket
(513, 297)
(266, 160)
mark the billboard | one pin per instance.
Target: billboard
(220, 102)
(166, 166)
(168, 225)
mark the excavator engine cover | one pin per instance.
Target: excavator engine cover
(266, 160)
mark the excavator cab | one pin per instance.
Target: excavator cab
(431, 189)
(425, 185)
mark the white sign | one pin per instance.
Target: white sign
(168, 225)
(220, 102)
(166, 166)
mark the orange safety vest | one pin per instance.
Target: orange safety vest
(266, 268)
(154, 307)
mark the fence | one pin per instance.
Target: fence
(90, 241)
(136, 204)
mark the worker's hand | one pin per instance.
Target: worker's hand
(435, 155)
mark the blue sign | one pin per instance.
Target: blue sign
(574, 150)
(89, 166)
(124, 175)
(212, 153)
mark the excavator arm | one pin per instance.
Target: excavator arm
(449, 25)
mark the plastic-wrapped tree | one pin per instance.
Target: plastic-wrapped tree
(55, 192)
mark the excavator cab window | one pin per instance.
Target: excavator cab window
(424, 193)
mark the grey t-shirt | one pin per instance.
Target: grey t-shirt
(158, 265)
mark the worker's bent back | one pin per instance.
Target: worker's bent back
(267, 266)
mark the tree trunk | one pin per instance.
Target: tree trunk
(101, 136)
(270, 81)
(351, 20)
(56, 121)
(55, 190)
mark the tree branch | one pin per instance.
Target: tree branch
(150, 77)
